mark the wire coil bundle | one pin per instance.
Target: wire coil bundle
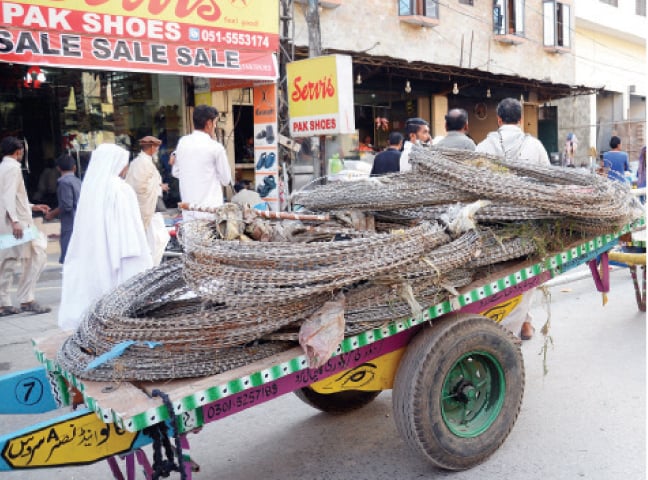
(245, 284)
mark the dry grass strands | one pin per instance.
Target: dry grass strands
(496, 249)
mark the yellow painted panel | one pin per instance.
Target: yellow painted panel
(77, 440)
(378, 374)
(498, 312)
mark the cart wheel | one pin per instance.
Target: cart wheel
(338, 402)
(458, 390)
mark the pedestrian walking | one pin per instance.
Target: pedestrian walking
(641, 172)
(616, 160)
(509, 141)
(67, 192)
(417, 132)
(16, 212)
(146, 181)
(108, 244)
(571, 145)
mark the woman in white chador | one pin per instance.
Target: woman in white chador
(108, 244)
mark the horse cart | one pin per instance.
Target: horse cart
(457, 378)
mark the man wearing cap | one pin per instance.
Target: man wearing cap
(145, 179)
(417, 132)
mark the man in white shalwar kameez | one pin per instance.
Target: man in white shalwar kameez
(108, 245)
(201, 165)
(145, 179)
(16, 220)
(510, 142)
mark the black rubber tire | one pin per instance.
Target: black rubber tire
(338, 402)
(419, 382)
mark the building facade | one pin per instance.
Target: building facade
(420, 58)
(610, 55)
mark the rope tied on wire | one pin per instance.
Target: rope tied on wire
(162, 467)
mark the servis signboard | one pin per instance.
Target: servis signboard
(212, 38)
(320, 96)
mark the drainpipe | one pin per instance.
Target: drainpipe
(315, 50)
(314, 29)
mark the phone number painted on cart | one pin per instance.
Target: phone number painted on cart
(229, 37)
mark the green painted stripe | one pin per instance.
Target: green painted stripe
(256, 379)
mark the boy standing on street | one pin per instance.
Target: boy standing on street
(67, 192)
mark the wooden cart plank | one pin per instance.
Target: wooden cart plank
(112, 401)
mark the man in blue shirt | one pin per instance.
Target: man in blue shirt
(388, 161)
(67, 192)
(616, 160)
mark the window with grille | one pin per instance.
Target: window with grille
(557, 24)
(614, 3)
(508, 17)
(424, 8)
(640, 7)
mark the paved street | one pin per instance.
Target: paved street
(585, 419)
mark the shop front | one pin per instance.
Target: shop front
(78, 74)
(387, 91)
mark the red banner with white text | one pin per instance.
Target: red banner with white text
(52, 35)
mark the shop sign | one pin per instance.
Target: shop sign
(212, 38)
(266, 154)
(320, 96)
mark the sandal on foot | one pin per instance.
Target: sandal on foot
(9, 310)
(34, 307)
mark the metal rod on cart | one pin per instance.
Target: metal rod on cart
(260, 213)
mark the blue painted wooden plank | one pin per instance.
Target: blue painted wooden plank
(31, 391)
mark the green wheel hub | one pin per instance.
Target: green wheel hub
(473, 394)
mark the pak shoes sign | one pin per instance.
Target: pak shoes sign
(320, 96)
(46, 35)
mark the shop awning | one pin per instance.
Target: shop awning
(216, 39)
(438, 76)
